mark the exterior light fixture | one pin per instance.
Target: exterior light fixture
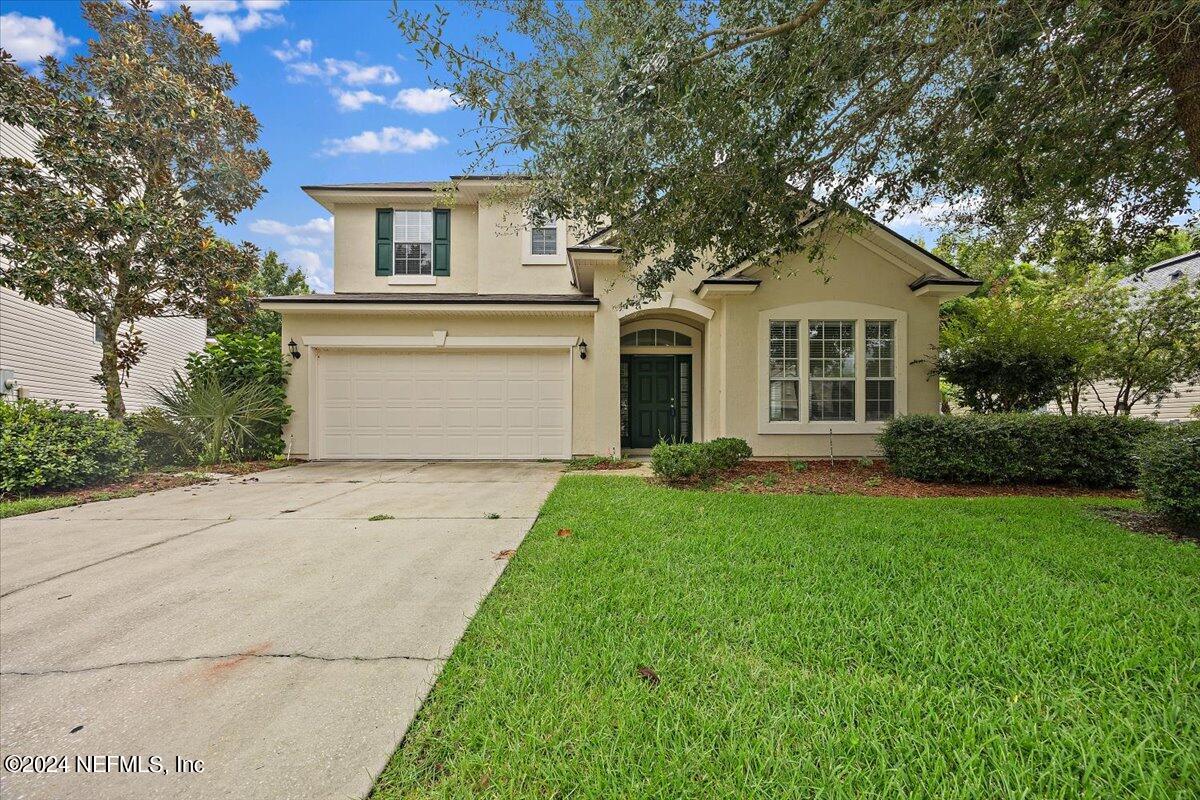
(293, 349)
(582, 350)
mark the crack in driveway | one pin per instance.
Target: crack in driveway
(225, 657)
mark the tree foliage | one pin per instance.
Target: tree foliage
(139, 146)
(707, 131)
(273, 277)
(1068, 319)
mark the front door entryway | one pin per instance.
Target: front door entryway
(658, 401)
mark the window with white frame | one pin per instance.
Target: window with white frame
(413, 242)
(831, 370)
(784, 371)
(543, 239)
(881, 370)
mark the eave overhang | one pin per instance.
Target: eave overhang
(724, 287)
(433, 303)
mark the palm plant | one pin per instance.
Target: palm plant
(208, 422)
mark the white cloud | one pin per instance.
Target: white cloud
(355, 100)
(229, 28)
(312, 233)
(350, 73)
(319, 276)
(290, 52)
(264, 5)
(385, 140)
(356, 74)
(30, 38)
(424, 101)
(210, 6)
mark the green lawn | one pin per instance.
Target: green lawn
(32, 505)
(819, 647)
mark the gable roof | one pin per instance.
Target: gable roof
(1164, 273)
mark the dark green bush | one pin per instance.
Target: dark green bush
(727, 452)
(697, 460)
(1092, 451)
(47, 446)
(239, 360)
(1170, 473)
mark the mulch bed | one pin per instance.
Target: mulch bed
(1145, 522)
(876, 480)
(144, 482)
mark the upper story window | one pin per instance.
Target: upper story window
(544, 242)
(412, 238)
(543, 239)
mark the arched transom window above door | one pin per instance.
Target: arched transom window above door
(656, 337)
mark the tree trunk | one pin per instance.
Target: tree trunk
(110, 371)
(1179, 52)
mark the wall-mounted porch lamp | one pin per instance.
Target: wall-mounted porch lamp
(582, 350)
(293, 349)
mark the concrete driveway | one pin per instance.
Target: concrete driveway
(261, 626)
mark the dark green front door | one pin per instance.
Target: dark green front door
(654, 399)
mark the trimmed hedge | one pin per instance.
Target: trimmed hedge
(697, 460)
(1092, 451)
(47, 446)
(1170, 473)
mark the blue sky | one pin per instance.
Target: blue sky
(340, 96)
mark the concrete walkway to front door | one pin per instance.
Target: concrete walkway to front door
(262, 626)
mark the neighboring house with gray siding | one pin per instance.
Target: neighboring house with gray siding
(1178, 404)
(53, 353)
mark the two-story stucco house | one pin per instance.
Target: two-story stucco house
(455, 332)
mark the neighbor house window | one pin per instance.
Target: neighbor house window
(543, 239)
(785, 371)
(831, 370)
(413, 241)
(881, 370)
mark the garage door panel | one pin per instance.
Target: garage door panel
(403, 404)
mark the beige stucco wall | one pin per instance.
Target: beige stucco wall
(734, 380)
(485, 252)
(298, 326)
(860, 281)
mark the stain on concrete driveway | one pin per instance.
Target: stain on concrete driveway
(266, 629)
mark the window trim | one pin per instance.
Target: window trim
(802, 314)
(557, 258)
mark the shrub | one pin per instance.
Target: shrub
(238, 360)
(697, 460)
(48, 446)
(1170, 473)
(208, 422)
(1093, 451)
(727, 452)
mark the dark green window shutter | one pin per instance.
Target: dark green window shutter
(383, 241)
(441, 241)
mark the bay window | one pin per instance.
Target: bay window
(881, 370)
(831, 364)
(785, 371)
(831, 371)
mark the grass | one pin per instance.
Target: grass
(32, 505)
(819, 647)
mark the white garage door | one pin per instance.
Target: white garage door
(393, 404)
